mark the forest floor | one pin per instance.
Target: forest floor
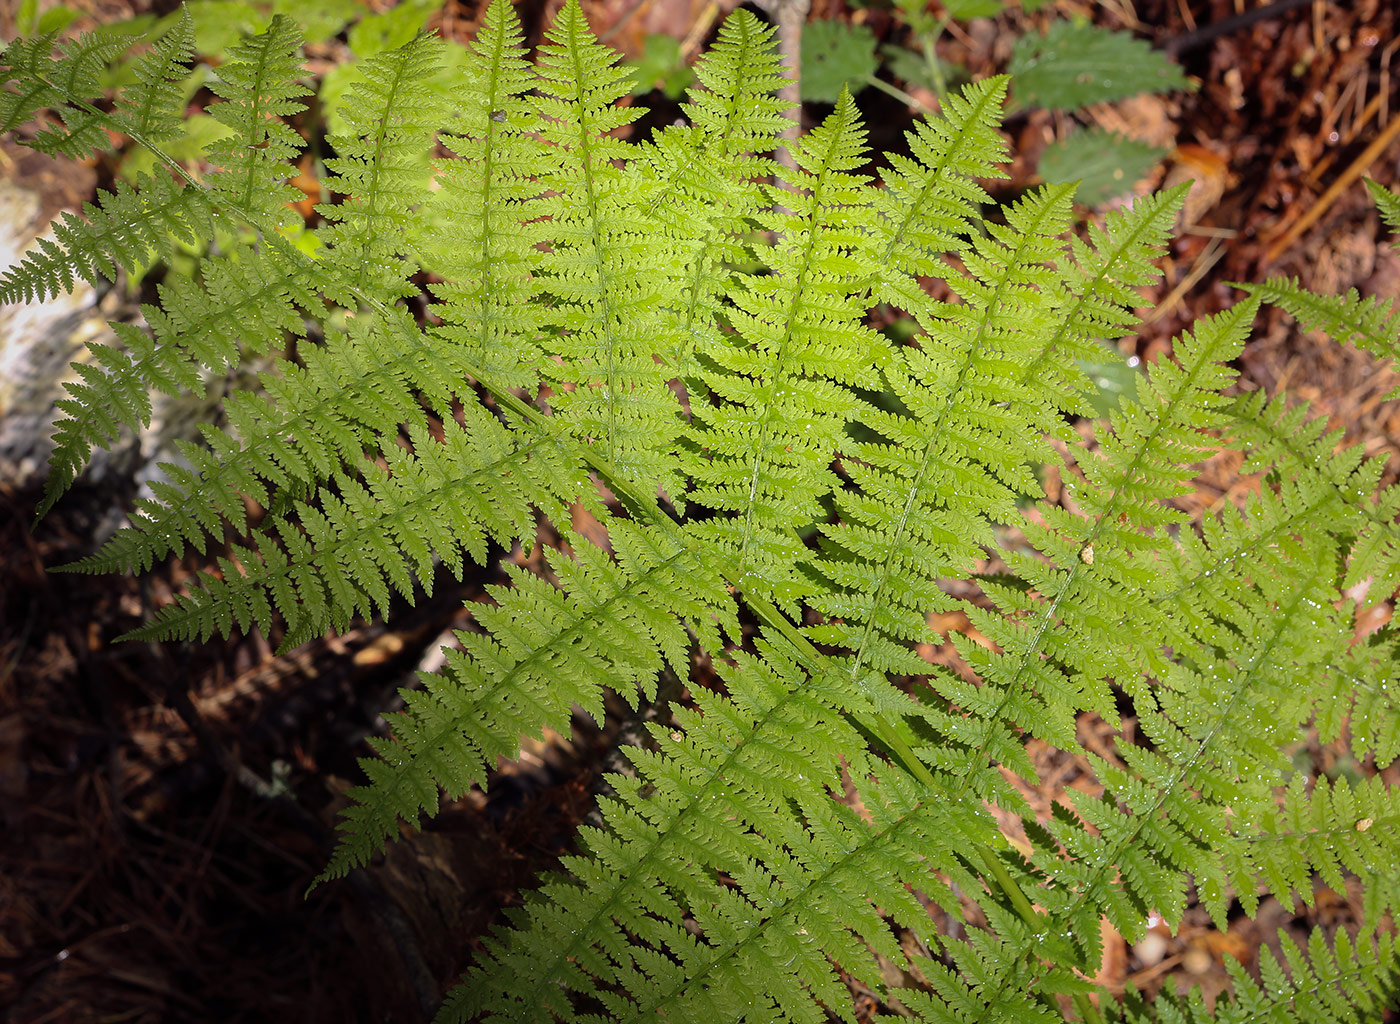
(164, 808)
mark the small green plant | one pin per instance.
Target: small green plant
(787, 495)
(1072, 65)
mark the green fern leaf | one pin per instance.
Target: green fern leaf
(766, 753)
(1388, 202)
(258, 82)
(381, 168)
(1371, 323)
(547, 649)
(488, 196)
(605, 271)
(1347, 984)
(147, 111)
(128, 228)
(784, 380)
(67, 84)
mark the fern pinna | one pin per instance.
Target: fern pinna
(673, 334)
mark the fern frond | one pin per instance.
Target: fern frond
(146, 110)
(1217, 721)
(931, 198)
(606, 272)
(1058, 641)
(355, 546)
(381, 169)
(259, 86)
(784, 381)
(67, 84)
(1370, 323)
(240, 308)
(740, 790)
(1352, 983)
(128, 228)
(1388, 202)
(482, 228)
(1324, 830)
(929, 490)
(612, 623)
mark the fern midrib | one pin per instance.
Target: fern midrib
(915, 487)
(1140, 820)
(1109, 512)
(1317, 833)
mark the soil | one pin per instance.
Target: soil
(163, 809)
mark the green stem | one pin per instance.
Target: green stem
(1019, 901)
(900, 94)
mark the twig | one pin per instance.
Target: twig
(1344, 181)
(1208, 33)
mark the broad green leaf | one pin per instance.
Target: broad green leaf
(661, 66)
(1073, 65)
(835, 54)
(1113, 377)
(1104, 163)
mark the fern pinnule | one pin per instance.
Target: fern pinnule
(784, 383)
(1353, 981)
(258, 83)
(1387, 201)
(381, 170)
(488, 196)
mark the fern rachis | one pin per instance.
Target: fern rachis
(604, 313)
